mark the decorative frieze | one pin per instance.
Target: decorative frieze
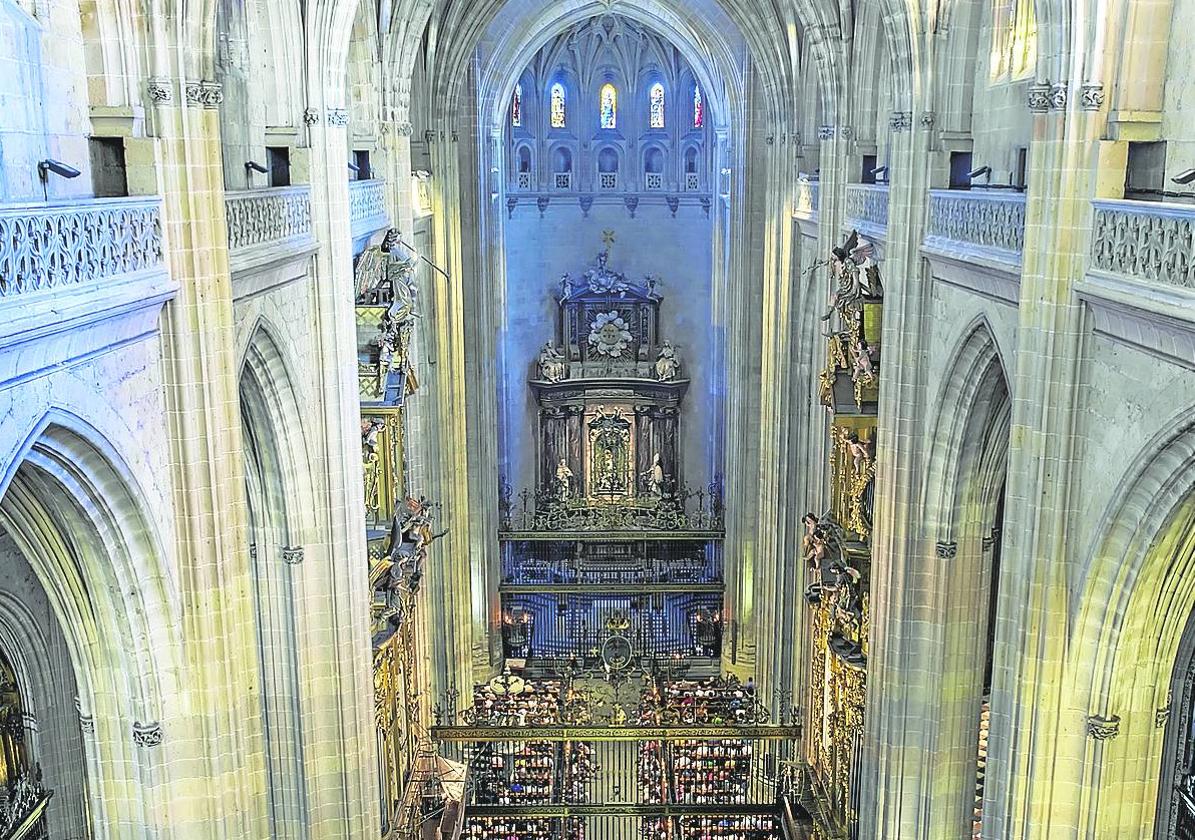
(632, 203)
(160, 91)
(147, 734)
(1091, 96)
(1102, 728)
(825, 132)
(1146, 241)
(900, 120)
(46, 246)
(292, 555)
(338, 116)
(1162, 717)
(946, 550)
(1058, 94)
(257, 217)
(986, 220)
(1039, 97)
(204, 93)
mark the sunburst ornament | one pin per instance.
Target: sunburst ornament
(609, 335)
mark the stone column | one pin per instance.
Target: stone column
(215, 739)
(332, 587)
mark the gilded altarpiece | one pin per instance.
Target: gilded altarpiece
(837, 544)
(386, 307)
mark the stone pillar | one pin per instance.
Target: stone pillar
(332, 587)
(215, 739)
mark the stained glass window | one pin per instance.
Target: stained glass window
(698, 108)
(516, 107)
(657, 105)
(609, 106)
(558, 105)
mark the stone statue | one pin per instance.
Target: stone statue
(552, 366)
(655, 477)
(401, 263)
(564, 481)
(667, 363)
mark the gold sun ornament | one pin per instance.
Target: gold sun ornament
(609, 335)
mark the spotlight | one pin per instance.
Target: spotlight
(1184, 177)
(57, 167)
(983, 170)
(254, 166)
(880, 173)
(354, 168)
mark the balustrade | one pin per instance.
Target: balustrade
(867, 208)
(367, 207)
(1146, 241)
(267, 216)
(966, 223)
(49, 246)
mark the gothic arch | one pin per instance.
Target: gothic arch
(1134, 603)
(967, 470)
(68, 503)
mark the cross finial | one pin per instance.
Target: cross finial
(608, 239)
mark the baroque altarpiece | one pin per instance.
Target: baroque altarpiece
(612, 558)
(837, 544)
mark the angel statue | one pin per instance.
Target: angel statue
(385, 274)
(667, 363)
(410, 535)
(863, 367)
(551, 363)
(854, 273)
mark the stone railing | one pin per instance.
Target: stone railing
(47, 246)
(969, 223)
(367, 206)
(268, 216)
(807, 198)
(1147, 241)
(867, 208)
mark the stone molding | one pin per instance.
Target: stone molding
(1100, 728)
(1161, 717)
(928, 118)
(311, 116)
(292, 555)
(900, 120)
(338, 116)
(1157, 319)
(946, 550)
(147, 734)
(86, 724)
(1058, 96)
(47, 246)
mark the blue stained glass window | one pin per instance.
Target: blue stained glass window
(558, 117)
(657, 105)
(609, 106)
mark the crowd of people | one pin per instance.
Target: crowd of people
(518, 828)
(512, 701)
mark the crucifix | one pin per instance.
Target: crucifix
(608, 239)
